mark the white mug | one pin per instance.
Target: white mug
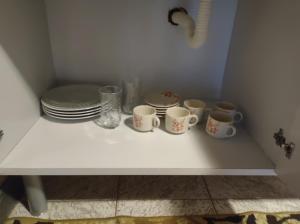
(231, 109)
(219, 125)
(144, 118)
(179, 119)
(196, 107)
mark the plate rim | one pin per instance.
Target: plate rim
(71, 109)
(72, 118)
(72, 115)
(71, 112)
(161, 106)
(164, 108)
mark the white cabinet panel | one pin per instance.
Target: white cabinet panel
(68, 148)
(25, 67)
(289, 169)
(262, 75)
(103, 40)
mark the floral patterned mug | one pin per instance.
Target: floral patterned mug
(179, 119)
(219, 125)
(144, 118)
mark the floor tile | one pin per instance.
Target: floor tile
(164, 207)
(21, 211)
(87, 209)
(261, 205)
(162, 187)
(246, 187)
(71, 210)
(80, 187)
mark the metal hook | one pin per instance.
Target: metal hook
(281, 142)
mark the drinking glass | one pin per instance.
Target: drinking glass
(110, 116)
(130, 94)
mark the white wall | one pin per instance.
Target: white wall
(103, 40)
(26, 67)
(263, 74)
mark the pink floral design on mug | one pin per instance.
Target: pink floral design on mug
(179, 120)
(212, 127)
(137, 121)
(177, 126)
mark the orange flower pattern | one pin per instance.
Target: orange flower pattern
(137, 121)
(212, 127)
(177, 126)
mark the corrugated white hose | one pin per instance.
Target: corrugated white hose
(196, 34)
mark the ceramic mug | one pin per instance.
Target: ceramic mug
(144, 118)
(231, 109)
(179, 119)
(196, 107)
(219, 125)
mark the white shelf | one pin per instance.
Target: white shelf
(52, 148)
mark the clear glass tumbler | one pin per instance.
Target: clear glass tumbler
(110, 116)
(130, 94)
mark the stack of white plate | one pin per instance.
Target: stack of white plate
(162, 101)
(72, 102)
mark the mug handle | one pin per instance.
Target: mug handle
(156, 122)
(238, 117)
(233, 131)
(193, 116)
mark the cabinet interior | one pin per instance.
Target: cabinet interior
(53, 42)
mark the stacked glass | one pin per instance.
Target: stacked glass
(110, 116)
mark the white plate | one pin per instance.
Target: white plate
(161, 107)
(72, 115)
(160, 112)
(78, 112)
(163, 99)
(72, 118)
(72, 97)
